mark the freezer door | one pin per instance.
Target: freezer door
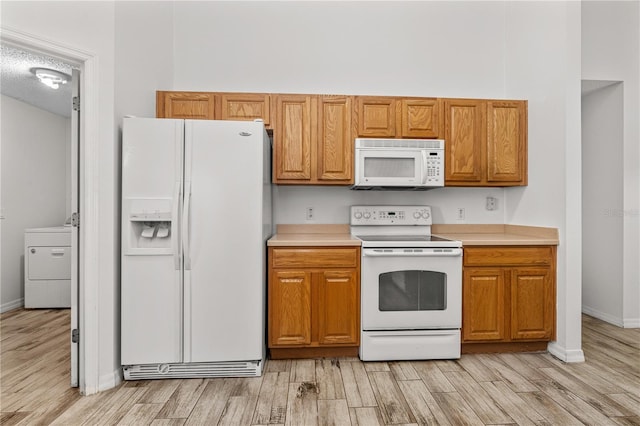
(224, 243)
(151, 294)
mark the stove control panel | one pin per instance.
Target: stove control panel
(390, 215)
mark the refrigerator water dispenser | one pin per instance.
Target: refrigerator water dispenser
(150, 226)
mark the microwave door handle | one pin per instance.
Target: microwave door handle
(425, 158)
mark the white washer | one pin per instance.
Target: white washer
(47, 267)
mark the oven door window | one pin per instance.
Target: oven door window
(412, 291)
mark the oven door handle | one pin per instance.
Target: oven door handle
(429, 252)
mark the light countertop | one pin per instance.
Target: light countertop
(313, 235)
(470, 235)
(498, 235)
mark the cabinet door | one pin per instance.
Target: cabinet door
(465, 140)
(293, 138)
(186, 105)
(420, 118)
(245, 106)
(290, 308)
(483, 307)
(507, 142)
(335, 143)
(376, 116)
(338, 308)
(532, 304)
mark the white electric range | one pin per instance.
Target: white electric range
(411, 285)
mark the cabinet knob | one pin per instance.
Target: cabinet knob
(33, 250)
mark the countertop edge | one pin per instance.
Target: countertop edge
(325, 235)
(498, 234)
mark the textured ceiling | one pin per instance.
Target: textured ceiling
(18, 82)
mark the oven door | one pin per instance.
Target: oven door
(411, 288)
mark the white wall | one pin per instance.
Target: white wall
(611, 51)
(602, 203)
(34, 185)
(543, 66)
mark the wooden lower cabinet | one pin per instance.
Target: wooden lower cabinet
(508, 298)
(313, 301)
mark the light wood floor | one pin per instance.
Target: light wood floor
(522, 389)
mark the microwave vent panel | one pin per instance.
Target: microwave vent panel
(400, 143)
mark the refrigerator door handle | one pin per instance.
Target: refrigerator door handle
(185, 227)
(175, 245)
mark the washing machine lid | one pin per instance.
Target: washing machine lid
(61, 229)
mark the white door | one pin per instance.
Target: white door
(75, 240)
(224, 316)
(151, 291)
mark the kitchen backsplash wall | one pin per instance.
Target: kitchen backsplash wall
(331, 204)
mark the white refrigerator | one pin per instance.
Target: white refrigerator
(196, 214)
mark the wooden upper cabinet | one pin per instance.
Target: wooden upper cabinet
(293, 138)
(485, 142)
(393, 117)
(420, 118)
(464, 141)
(192, 105)
(245, 106)
(507, 142)
(335, 141)
(313, 143)
(376, 116)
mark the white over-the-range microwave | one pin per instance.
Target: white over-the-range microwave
(411, 164)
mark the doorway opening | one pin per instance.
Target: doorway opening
(602, 200)
(83, 65)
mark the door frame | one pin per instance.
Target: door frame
(88, 262)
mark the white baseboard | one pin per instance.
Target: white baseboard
(566, 355)
(10, 306)
(631, 323)
(111, 380)
(105, 382)
(611, 319)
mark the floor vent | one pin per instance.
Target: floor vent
(193, 370)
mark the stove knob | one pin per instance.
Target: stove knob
(357, 215)
(425, 214)
(366, 215)
(416, 214)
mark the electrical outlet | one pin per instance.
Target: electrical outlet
(492, 203)
(461, 214)
(310, 215)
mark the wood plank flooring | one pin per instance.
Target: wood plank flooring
(524, 389)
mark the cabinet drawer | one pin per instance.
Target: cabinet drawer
(313, 257)
(504, 256)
